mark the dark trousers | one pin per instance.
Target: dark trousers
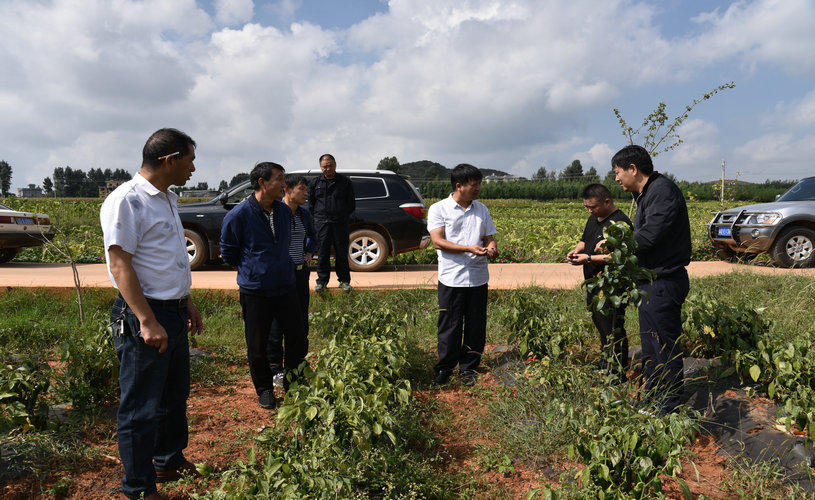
(332, 234)
(152, 416)
(660, 328)
(611, 328)
(462, 327)
(258, 314)
(274, 353)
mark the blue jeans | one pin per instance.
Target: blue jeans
(152, 417)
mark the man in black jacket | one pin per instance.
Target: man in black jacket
(662, 232)
(331, 202)
(603, 213)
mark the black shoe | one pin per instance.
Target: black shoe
(468, 377)
(442, 376)
(267, 400)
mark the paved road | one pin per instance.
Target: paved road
(502, 276)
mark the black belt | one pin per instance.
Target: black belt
(168, 304)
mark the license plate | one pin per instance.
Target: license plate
(724, 231)
(25, 220)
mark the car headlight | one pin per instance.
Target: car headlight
(764, 219)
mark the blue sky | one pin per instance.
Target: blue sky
(510, 85)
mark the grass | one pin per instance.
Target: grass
(524, 421)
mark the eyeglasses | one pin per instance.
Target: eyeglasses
(169, 155)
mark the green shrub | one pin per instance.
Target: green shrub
(538, 325)
(90, 379)
(22, 389)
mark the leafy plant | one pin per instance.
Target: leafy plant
(537, 324)
(91, 375)
(626, 452)
(714, 328)
(21, 390)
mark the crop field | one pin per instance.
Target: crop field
(528, 230)
(541, 422)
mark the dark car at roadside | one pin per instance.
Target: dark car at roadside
(389, 219)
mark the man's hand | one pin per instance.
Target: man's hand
(154, 335)
(194, 323)
(477, 249)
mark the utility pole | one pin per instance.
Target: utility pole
(721, 196)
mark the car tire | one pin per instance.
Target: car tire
(196, 249)
(795, 247)
(6, 254)
(367, 250)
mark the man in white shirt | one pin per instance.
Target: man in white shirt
(153, 314)
(461, 230)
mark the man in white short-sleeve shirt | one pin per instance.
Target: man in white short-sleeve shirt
(153, 314)
(461, 230)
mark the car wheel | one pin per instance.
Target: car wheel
(795, 247)
(367, 251)
(6, 254)
(196, 249)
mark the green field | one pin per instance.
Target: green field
(555, 407)
(528, 230)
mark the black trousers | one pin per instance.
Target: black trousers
(462, 327)
(258, 314)
(660, 328)
(611, 328)
(332, 234)
(274, 352)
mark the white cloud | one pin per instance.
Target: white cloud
(598, 156)
(233, 12)
(798, 113)
(777, 32)
(700, 143)
(769, 151)
(507, 84)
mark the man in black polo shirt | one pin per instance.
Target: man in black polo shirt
(331, 202)
(597, 200)
(662, 232)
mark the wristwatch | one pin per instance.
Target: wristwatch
(589, 255)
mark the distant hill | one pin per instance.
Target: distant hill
(430, 170)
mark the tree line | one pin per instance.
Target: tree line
(68, 182)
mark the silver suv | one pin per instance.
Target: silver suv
(785, 228)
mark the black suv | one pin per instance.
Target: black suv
(388, 220)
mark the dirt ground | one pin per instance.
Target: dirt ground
(223, 421)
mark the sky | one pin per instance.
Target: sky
(512, 85)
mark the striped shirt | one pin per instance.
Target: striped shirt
(297, 244)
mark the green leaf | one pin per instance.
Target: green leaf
(755, 372)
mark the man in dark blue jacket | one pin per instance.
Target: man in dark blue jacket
(662, 232)
(255, 239)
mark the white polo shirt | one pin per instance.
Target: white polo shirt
(464, 226)
(144, 222)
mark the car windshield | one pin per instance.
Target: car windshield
(3, 207)
(804, 190)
